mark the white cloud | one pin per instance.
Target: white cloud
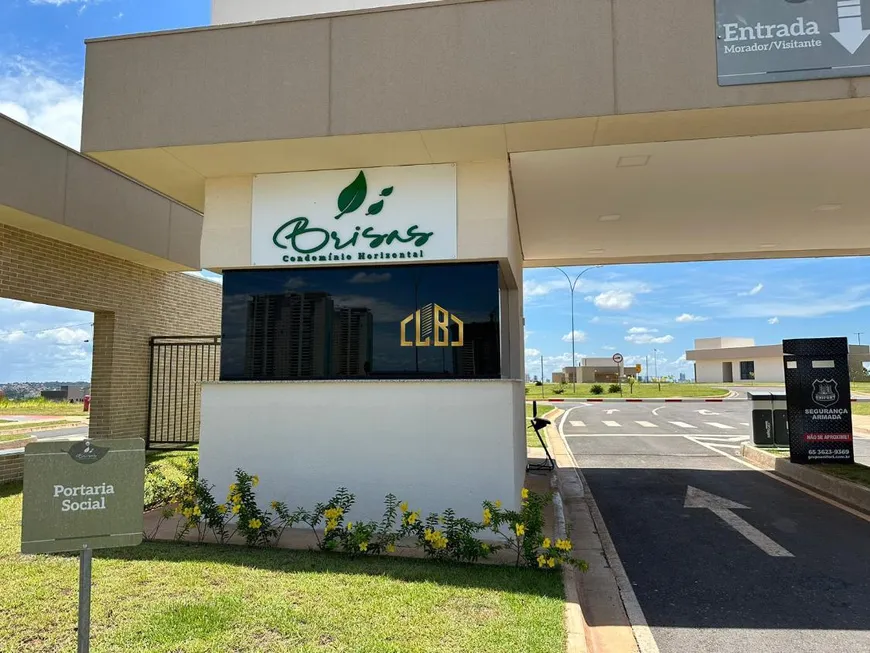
(370, 277)
(532, 353)
(533, 288)
(58, 3)
(613, 300)
(32, 93)
(801, 303)
(688, 317)
(642, 330)
(65, 336)
(608, 347)
(773, 320)
(595, 320)
(645, 339)
(755, 290)
(12, 336)
(579, 336)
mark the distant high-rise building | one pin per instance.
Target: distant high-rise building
(288, 335)
(352, 341)
(682, 376)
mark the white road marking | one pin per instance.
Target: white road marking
(722, 507)
(683, 425)
(744, 423)
(656, 410)
(646, 425)
(726, 446)
(719, 426)
(577, 423)
(740, 460)
(611, 411)
(614, 425)
(706, 412)
(724, 438)
(648, 434)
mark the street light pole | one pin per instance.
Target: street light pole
(656, 361)
(572, 285)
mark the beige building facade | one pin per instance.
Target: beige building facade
(580, 132)
(76, 235)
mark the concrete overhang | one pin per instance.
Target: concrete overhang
(735, 353)
(56, 192)
(622, 146)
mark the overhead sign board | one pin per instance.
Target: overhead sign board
(86, 493)
(401, 214)
(790, 40)
(819, 400)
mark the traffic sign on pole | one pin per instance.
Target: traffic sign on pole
(618, 358)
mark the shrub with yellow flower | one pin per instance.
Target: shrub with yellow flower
(255, 523)
(487, 516)
(519, 529)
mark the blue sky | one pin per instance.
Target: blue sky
(630, 309)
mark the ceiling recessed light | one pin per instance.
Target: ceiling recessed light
(609, 218)
(636, 161)
(767, 245)
(596, 251)
(828, 207)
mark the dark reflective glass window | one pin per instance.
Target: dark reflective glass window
(410, 321)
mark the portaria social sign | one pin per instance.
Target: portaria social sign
(86, 493)
(378, 215)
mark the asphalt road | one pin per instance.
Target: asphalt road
(782, 572)
(54, 434)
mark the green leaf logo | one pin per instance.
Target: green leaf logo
(353, 196)
(376, 208)
(387, 192)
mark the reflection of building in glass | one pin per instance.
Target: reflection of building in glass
(352, 339)
(302, 335)
(479, 356)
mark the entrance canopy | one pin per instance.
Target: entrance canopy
(620, 143)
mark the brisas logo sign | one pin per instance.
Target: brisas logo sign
(432, 327)
(86, 453)
(307, 241)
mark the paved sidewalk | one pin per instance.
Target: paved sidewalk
(607, 626)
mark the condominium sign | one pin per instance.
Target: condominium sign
(789, 40)
(79, 494)
(399, 214)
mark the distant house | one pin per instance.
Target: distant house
(594, 370)
(727, 360)
(70, 393)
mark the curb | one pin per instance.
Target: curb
(846, 492)
(575, 624)
(625, 400)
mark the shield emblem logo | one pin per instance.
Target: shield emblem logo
(825, 392)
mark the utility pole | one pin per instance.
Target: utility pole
(647, 368)
(656, 361)
(542, 376)
(572, 285)
(859, 334)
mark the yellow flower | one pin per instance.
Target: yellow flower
(542, 560)
(551, 562)
(237, 498)
(363, 546)
(546, 543)
(391, 548)
(255, 480)
(350, 525)
(274, 505)
(222, 509)
(236, 508)
(255, 523)
(404, 506)
(484, 547)
(498, 504)
(233, 488)
(411, 518)
(187, 512)
(487, 517)
(525, 494)
(197, 511)
(519, 529)
(563, 545)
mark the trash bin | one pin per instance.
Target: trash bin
(87, 403)
(762, 418)
(780, 419)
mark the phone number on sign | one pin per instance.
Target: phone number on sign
(828, 452)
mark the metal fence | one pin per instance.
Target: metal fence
(179, 364)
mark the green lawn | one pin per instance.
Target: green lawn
(174, 597)
(14, 437)
(531, 438)
(18, 426)
(856, 473)
(861, 408)
(641, 390)
(39, 407)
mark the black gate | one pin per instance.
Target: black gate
(179, 364)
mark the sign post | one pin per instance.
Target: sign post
(819, 400)
(618, 359)
(80, 496)
(791, 40)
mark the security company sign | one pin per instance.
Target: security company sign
(87, 492)
(399, 215)
(790, 40)
(818, 399)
